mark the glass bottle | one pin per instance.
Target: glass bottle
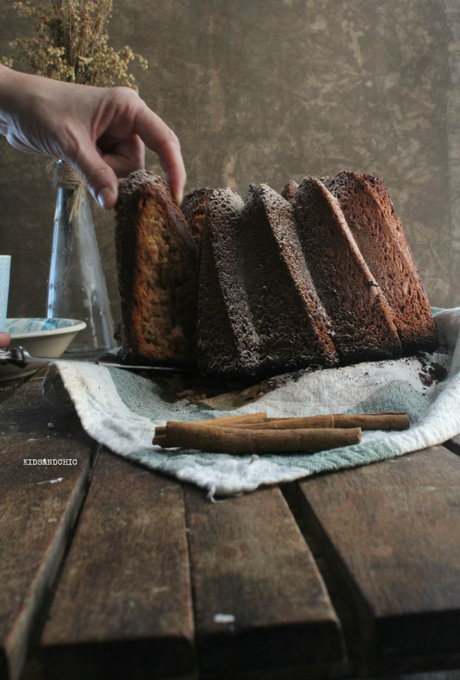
(77, 287)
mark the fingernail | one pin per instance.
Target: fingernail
(104, 196)
(179, 196)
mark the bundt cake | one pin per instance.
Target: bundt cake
(319, 275)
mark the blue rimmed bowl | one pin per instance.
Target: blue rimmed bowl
(41, 338)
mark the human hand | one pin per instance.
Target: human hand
(4, 339)
(100, 132)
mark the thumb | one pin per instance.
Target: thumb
(97, 175)
(4, 339)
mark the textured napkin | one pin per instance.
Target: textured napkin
(120, 409)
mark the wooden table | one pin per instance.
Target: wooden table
(108, 571)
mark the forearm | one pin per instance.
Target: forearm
(27, 103)
(15, 88)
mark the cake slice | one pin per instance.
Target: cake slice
(379, 234)
(362, 320)
(227, 340)
(290, 321)
(157, 273)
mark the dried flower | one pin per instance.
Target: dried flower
(72, 44)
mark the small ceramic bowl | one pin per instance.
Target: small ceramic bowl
(41, 338)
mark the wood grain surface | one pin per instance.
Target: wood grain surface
(38, 506)
(123, 605)
(260, 603)
(390, 533)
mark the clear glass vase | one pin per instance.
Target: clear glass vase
(77, 287)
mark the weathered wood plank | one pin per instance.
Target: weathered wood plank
(123, 605)
(38, 507)
(260, 604)
(7, 389)
(390, 533)
(453, 445)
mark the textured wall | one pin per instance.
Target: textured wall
(265, 90)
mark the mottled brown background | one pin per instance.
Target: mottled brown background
(265, 90)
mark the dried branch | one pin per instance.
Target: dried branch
(71, 44)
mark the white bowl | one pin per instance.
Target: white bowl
(41, 338)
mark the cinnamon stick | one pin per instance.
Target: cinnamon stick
(241, 441)
(226, 420)
(373, 421)
(300, 422)
(245, 418)
(368, 421)
(260, 422)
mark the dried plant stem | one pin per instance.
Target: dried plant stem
(71, 44)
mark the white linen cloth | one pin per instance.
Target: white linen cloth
(120, 409)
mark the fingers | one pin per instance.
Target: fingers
(4, 339)
(98, 176)
(171, 161)
(113, 146)
(123, 156)
(162, 140)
